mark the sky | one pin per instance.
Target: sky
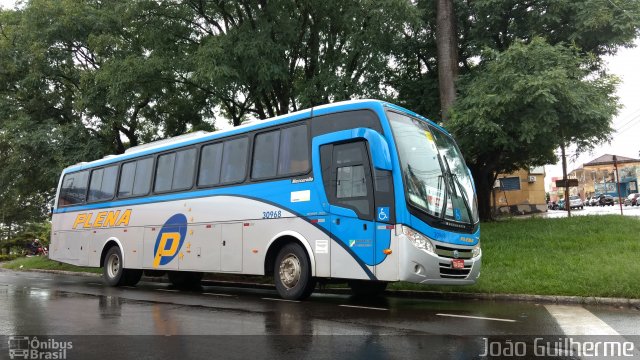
(625, 141)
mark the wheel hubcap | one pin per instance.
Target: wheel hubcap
(290, 271)
(113, 265)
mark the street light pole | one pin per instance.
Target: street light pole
(567, 205)
(615, 165)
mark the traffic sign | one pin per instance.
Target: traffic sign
(572, 183)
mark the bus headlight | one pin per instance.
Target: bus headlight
(418, 240)
(476, 251)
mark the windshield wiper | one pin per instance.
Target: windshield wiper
(456, 181)
(447, 181)
(450, 175)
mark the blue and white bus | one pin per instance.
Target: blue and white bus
(363, 191)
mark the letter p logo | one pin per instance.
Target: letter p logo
(170, 240)
(173, 240)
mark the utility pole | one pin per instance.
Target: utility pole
(615, 166)
(567, 206)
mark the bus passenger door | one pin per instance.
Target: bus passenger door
(346, 173)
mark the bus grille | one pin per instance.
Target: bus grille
(447, 252)
(447, 272)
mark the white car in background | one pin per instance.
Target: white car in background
(575, 202)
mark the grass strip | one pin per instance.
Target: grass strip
(577, 256)
(43, 263)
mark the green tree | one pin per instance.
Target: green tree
(38, 127)
(268, 58)
(486, 28)
(595, 27)
(524, 102)
(79, 80)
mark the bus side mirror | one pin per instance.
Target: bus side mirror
(380, 154)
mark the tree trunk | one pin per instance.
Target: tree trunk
(483, 179)
(447, 44)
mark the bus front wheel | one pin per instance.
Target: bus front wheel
(113, 272)
(292, 273)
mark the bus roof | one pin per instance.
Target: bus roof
(203, 136)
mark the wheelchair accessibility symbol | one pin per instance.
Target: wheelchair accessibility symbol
(383, 213)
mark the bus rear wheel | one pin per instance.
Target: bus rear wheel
(113, 272)
(367, 287)
(292, 273)
(185, 279)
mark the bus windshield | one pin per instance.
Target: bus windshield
(434, 173)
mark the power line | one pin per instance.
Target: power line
(635, 121)
(632, 115)
(634, 118)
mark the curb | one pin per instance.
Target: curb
(548, 299)
(416, 294)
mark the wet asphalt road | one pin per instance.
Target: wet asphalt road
(101, 321)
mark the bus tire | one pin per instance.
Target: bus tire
(292, 273)
(185, 279)
(367, 287)
(112, 271)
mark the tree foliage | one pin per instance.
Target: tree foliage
(526, 101)
(266, 58)
(502, 123)
(82, 79)
(594, 27)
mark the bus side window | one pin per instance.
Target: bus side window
(281, 153)
(126, 179)
(164, 172)
(74, 188)
(103, 183)
(294, 151)
(142, 179)
(135, 178)
(351, 182)
(183, 170)
(265, 155)
(234, 160)
(351, 174)
(175, 170)
(210, 165)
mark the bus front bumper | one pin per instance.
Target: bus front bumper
(421, 267)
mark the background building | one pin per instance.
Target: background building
(598, 177)
(521, 192)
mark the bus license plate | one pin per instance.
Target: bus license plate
(457, 263)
